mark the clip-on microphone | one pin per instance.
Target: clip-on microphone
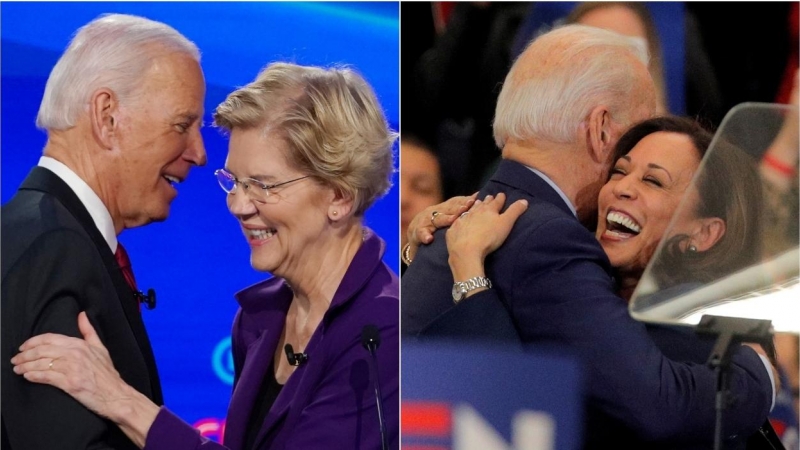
(295, 359)
(149, 300)
(371, 339)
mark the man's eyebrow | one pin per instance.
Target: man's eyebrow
(191, 116)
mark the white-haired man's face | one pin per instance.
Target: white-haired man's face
(159, 138)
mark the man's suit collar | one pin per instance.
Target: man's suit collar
(88, 197)
(518, 176)
(43, 180)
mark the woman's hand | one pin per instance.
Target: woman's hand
(423, 225)
(479, 232)
(83, 369)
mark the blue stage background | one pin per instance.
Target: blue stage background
(198, 258)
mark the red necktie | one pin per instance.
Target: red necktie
(125, 266)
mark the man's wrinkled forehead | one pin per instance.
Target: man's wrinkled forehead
(177, 75)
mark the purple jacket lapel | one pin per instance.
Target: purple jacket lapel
(270, 317)
(244, 395)
(260, 346)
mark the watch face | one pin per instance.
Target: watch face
(458, 291)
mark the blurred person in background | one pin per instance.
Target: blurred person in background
(452, 48)
(628, 19)
(420, 181)
(468, 51)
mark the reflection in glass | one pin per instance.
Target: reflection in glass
(751, 268)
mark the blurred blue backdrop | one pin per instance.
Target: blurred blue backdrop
(198, 258)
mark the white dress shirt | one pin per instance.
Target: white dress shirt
(97, 209)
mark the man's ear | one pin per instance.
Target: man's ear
(103, 113)
(340, 206)
(706, 233)
(599, 134)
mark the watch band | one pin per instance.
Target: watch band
(462, 288)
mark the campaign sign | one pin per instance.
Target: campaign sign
(465, 397)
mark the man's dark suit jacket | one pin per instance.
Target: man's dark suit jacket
(55, 264)
(554, 279)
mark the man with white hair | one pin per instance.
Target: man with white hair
(122, 110)
(566, 101)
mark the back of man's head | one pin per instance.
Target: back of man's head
(564, 74)
(113, 51)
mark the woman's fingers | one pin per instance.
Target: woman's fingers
(50, 377)
(513, 212)
(49, 339)
(423, 225)
(43, 351)
(88, 332)
(36, 365)
(483, 229)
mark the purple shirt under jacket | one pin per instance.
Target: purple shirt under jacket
(329, 402)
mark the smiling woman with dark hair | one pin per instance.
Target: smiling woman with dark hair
(656, 163)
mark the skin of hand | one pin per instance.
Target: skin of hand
(479, 232)
(83, 369)
(421, 228)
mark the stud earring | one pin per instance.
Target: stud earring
(692, 249)
(335, 212)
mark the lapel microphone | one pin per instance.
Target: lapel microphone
(148, 299)
(371, 339)
(295, 359)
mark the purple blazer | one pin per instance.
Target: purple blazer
(328, 402)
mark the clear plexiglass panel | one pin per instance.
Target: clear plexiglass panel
(746, 265)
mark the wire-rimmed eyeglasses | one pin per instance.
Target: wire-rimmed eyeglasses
(254, 189)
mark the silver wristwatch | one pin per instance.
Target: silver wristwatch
(461, 288)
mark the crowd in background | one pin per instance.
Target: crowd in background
(455, 56)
